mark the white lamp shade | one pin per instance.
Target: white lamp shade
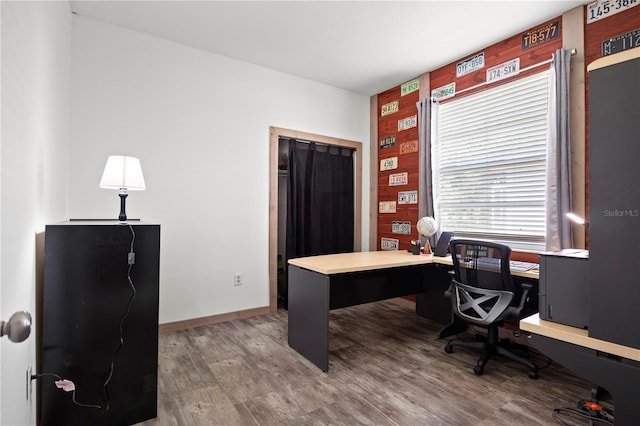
(122, 172)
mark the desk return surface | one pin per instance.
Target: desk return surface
(576, 336)
(611, 366)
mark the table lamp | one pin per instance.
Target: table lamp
(124, 174)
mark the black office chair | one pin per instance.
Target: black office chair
(483, 294)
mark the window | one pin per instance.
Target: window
(489, 163)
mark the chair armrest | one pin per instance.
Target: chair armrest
(526, 288)
(447, 292)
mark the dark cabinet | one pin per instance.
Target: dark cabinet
(614, 198)
(99, 323)
(564, 284)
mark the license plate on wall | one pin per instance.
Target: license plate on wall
(389, 243)
(410, 87)
(388, 163)
(470, 65)
(389, 108)
(408, 197)
(407, 123)
(621, 43)
(387, 142)
(401, 227)
(408, 147)
(399, 179)
(504, 70)
(387, 207)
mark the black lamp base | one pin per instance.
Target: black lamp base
(123, 200)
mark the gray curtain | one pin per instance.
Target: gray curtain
(558, 189)
(427, 129)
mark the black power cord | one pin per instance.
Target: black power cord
(65, 385)
(131, 260)
(591, 412)
(68, 385)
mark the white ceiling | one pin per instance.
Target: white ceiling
(361, 46)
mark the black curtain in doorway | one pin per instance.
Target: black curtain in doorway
(320, 199)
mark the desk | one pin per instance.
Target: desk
(609, 365)
(318, 284)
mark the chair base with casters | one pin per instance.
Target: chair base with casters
(490, 346)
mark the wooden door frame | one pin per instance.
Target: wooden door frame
(274, 134)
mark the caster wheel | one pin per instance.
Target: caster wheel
(448, 349)
(478, 370)
(533, 374)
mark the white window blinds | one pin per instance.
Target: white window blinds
(490, 157)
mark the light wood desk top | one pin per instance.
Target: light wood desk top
(329, 264)
(577, 336)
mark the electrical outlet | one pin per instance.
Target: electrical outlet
(237, 278)
(28, 387)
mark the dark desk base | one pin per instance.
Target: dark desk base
(312, 295)
(619, 376)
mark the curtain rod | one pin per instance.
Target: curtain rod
(530, 67)
(309, 142)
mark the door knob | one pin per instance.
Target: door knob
(18, 327)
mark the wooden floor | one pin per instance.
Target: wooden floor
(386, 368)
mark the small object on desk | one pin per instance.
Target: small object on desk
(415, 246)
(442, 246)
(517, 265)
(427, 226)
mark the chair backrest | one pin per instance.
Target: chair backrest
(482, 287)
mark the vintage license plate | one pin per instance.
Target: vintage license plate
(388, 163)
(444, 92)
(389, 243)
(387, 207)
(401, 227)
(541, 35)
(407, 123)
(621, 43)
(408, 197)
(408, 147)
(504, 70)
(470, 65)
(399, 179)
(387, 142)
(601, 9)
(409, 87)
(389, 108)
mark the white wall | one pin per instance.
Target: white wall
(34, 144)
(200, 125)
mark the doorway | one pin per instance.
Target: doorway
(277, 196)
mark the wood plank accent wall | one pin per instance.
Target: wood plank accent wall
(407, 163)
(496, 54)
(594, 34)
